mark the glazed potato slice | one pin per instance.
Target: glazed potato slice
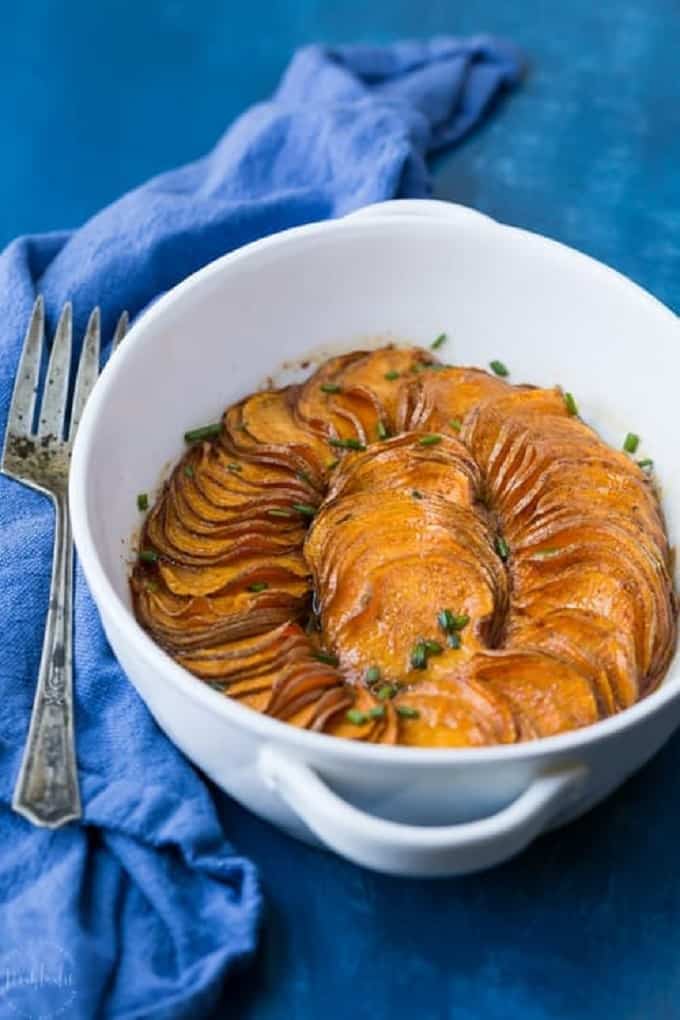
(547, 695)
(389, 569)
(491, 426)
(261, 655)
(403, 464)
(266, 426)
(185, 622)
(314, 407)
(600, 650)
(211, 579)
(383, 374)
(450, 394)
(457, 713)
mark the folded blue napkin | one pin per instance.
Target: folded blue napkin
(145, 909)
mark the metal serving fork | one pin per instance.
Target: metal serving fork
(47, 791)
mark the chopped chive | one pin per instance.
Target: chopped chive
(417, 494)
(433, 648)
(372, 675)
(204, 432)
(328, 658)
(445, 620)
(391, 376)
(406, 712)
(419, 656)
(258, 586)
(330, 387)
(303, 476)
(376, 713)
(631, 442)
(235, 467)
(449, 621)
(456, 424)
(332, 464)
(148, 555)
(646, 462)
(188, 471)
(347, 444)
(386, 692)
(499, 368)
(382, 430)
(278, 512)
(453, 639)
(305, 508)
(151, 586)
(356, 717)
(570, 404)
(545, 554)
(142, 501)
(430, 440)
(502, 547)
(436, 344)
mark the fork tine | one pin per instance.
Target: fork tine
(20, 420)
(88, 370)
(53, 407)
(121, 330)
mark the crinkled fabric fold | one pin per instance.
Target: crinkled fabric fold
(145, 909)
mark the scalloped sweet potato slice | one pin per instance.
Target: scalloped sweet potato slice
(403, 464)
(547, 695)
(450, 394)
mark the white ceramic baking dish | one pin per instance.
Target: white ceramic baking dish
(407, 270)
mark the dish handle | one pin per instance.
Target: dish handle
(423, 208)
(425, 851)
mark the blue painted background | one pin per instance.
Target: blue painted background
(97, 96)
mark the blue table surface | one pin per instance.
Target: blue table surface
(95, 98)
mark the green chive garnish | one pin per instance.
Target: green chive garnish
(419, 656)
(433, 648)
(258, 586)
(431, 440)
(499, 368)
(356, 717)
(330, 387)
(235, 467)
(502, 547)
(332, 464)
(646, 462)
(631, 442)
(142, 501)
(347, 444)
(449, 621)
(151, 586)
(305, 508)
(436, 344)
(456, 424)
(277, 512)
(328, 658)
(372, 675)
(382, 430)
(204, 432)
(406, 712)
(545, 554)
(376, 713)
(391, 376)
(148, 555)
(386, 692)
(453, 639)
(416, 494)
(304, 477)
(188, 471)
(570, 404)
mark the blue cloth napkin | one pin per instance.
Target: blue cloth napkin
(145, 909)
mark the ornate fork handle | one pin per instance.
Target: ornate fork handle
(47, 788)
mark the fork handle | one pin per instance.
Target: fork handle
(46, 791)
